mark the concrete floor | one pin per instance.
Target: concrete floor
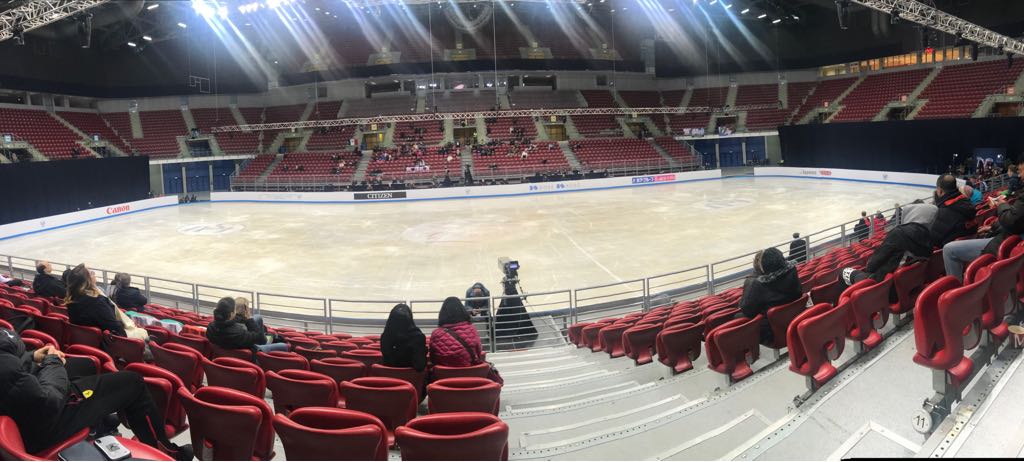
(429, 250)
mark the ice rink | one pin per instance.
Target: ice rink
(432, 249)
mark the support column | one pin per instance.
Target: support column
(184, 180)
(743, 150)
(718, 159)
(209, 165)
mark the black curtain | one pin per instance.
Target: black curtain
(925, 146)
(32, 190)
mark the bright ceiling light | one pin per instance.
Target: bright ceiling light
(147, 38)
(762, 16)
(776, 21)
(728, 6)
(182, 25)
(713, 2)
(153, 6)
(131, 44)
(745, 11)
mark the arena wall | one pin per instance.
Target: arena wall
(21, 228)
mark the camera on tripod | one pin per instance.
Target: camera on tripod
(510, 268)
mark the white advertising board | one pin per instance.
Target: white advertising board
(21, 228)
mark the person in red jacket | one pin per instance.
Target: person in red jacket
(451, 342)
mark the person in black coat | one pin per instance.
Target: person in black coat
(954, 211)
(402, 344)
(87, 306)
(905, 243)
(126, 296)
(46, 284)
(798, 249)
(233, 332)
(51, 397)
(775, 282)
(862, 228)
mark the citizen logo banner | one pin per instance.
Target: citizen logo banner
(380, 195)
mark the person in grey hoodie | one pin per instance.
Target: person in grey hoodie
(905, 244)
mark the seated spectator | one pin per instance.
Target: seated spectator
(954, 211)
(972, 194)
(10, 281)
(455, 342)
(479, 306)
(127, 297)
(233, 330)
(88, 306)
(905, 244)
(46, 284)
(51, 397)
(775, 282)
(402, 343)
(863, 227)
(958, 254)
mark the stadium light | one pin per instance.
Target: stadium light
(147, 38)
(153, 6)
(132, 44)
(182, 25)
(762, 16)
(776, 21)
(745, 11)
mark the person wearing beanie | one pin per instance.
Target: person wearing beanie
(798, 249)
(775, 282)
(905, 244)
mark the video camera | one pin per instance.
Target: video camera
(509, 267)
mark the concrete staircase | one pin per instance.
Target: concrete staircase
(389, 134)
(924, 84)
(784, 95)
(503, 102)
(310, 107)
(239, 118)
(837, 104)
(570, 129)
(730, 96)
(449, 131)
(277, 142)
(570, 156)
(664, 154)
(625, 127)
(481, 129)
(618, 99)
(136, 123)
(580, 100)
(305, 139)
(421, 102)
(190, 122)
(87, 149)
(270, 168)
(183, 146)
(651, 126)
(685, 102)
(741, 121)
(467, 159)
(85, 137)
(542, 134)
(364, 163)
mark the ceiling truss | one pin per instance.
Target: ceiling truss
(38, 13)
(615, 111)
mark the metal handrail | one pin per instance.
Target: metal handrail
(714, 276)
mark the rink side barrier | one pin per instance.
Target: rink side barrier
(866, 176)
(38, 225)
(470, 192)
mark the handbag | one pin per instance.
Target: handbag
(474, 359)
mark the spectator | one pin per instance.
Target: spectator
(455, 343)
(10, 281)
(51, 397)
(126, 296)
(863, 227)
(958, 254)
(775, 282)
(972, 194)
(238, 331)
(480, 306)
(954, 211)
(1014, 181)
(878, 223)
(87, 306)
(798, 249)
(402, 343)
(906, 243)
(46, 284)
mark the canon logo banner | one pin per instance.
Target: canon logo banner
(118, 209)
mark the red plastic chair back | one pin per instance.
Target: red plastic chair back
(125, 350)
(305, 342)
(678, 346)
(733, 347)
(43, 338)
(815, 338)
(1003, 275)
(200, 344)
(464, 394)
(294, 389)
(1007, 246)
(368, 357)
(55, 326)
(392, 401)
(317, 433)
(311, 354)
(408, 374)
(339, 347)
(163, 387)
(281, 360)
(180, 360)
(868, 303)
(947, 321)
(228, 424)
(590, 332)
(909, 281)
(339, 369)
(779, 318)
(828, 292)
(84, 335)
(218, 352)
(159, 334)
(611, 339)
(446, 372)
(12, 446)
(236, 374)
(638, 342)
(103, 361)
(454, 436)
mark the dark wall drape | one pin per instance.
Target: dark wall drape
(903, 146)
(39, 189)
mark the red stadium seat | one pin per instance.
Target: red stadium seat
(590, 332)
(828, 292)
(305, 342)
(733, 347)
(281, 360)
(339, 347)
(392, 401)
(54, 325)
(218, 352)
(103, 361)
(228, 424)
(909, 282)
(125, 350)
(869, 310)
(678, 346)
(368, 357)
(575, 333)
(408, 374)
(611, 339)
(311, 354)
(181, 360)
(1003, 279)
(159, 334)
(779, 318)
(814, 339)
(454, 436)
(43, 338)
(947, 321)
(12, 447)
(200, 344)
(163, 386)
(317, 433)
(1007, 246)
(718, 317)
(293, 389)
(84, 335)
(464, 394)
(936, 267)
(236, 374)
(340, 369)
(446, 372)
(639, 341)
